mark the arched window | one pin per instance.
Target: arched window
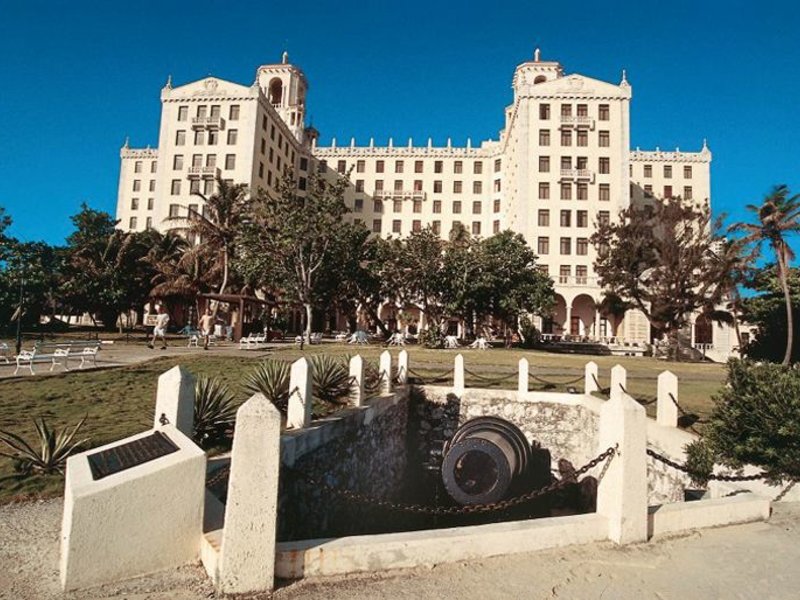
(275, 91)
(540, 79)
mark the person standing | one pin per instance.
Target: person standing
(206, 327)
(160, 330)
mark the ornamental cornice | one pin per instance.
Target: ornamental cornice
(139, 153)
(403, 151)
(677, 156)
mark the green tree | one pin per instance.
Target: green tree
(777, 217)
(661, 259)
(767, 310)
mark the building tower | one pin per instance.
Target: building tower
(285, 87)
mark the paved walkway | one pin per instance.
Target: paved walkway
(754, 561)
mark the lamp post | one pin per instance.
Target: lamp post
(19, 307)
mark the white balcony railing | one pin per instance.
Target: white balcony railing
(577, 121)
(212, 122)
(577, 174)
(204, 172)
(579, 280)
(415, 194)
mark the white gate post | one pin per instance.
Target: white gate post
(458, 375)
(666, 409)
(522, 384)
(402, 367)
(590, 378)
(357, 379)
(619, 380)
(175, 400)
(385, 370)
(300, 389)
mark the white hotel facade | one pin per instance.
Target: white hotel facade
(561, 164)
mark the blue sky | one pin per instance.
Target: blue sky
(77, 77)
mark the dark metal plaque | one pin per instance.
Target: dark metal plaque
(129, 455)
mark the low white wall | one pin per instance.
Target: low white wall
(423, 548)
(143, 519)
(681, 516)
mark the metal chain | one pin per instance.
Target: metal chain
(600, 388)
(639, 400)
(432, 378)
(688, 471)
(490, 380)
(548, 382)
(459, 510)
(221, 474)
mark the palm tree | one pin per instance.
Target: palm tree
(778, 217)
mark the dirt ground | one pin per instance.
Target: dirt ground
(752, 561)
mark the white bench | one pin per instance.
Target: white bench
(5, 352)
(60, 354)
(89, 354)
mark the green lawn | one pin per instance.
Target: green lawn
(120, 401)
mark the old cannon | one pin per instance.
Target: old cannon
(484, 460)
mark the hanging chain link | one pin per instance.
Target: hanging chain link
(639, 400)
(555, 383)
(688, 471)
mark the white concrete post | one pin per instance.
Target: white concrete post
(402, 367)
(357, 380)
(619, 380)
(247, 554)
(666, 409)
(522, 384)
(300, 388)
(386, 372)
(458, 375)
(622, 493)
(175, 400)
(590, 378)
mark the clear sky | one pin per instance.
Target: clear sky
(77, 77)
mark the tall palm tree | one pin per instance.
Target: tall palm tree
(778, 217)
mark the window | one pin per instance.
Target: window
(358, 205)
(233, 114)
(180, 137)
(183, 113)
(264, 149)
(396, 226)
(302, 183)
(648, 171)
(564, 273)
(604, 165)
(458, 167)
(261, 170)
(269, 178)
(648, 191)
(152, 185)
(667, 191)
(544, 217)
(583, 110)
(477, 187)
(476, 207)
(215, 110)
(667, 171)
(197, 160)
(202, 110)
(341, 166)
(582, 190)
(543, 245)
(153, 166)
(148, 223)
(177, 162)
(566, 218)
(566, 191)
(271, 156)
(477, 167)
(436, 226)
(603, 217)
(456, 187)
(544, 164)
(544, 191)
(398, 185)
(582, 218)
(376, 226)
(211, 160)
(582, 246)
(230, 161)
(377, 206)
(132, 224)
(603, 139)
(437, 187)
(496, 206)
(604, 191)
(457, 207)
(192, 212)
(418, 165)
(495, 226)
(581, 272)
(323, 166)
(544, 137)
(437, 206)
(379, 185)
(497, 165)
(566, 162)
(497, 185)
(603, 112)
(687, 192)
(476, 228)
(359, 185)
(583, 137)
(566, 137)
(544, 111)
(271, 129)
(303, 164)
(418, 185)
(233, 134)
(199, 138)
(137, 185)
(173, 210)
(566, 110)
(416, 225)
(687, 172)
(137, 166)
(379, 166)
(437, 166)
(194, 186)
(134, 203)
(417, 206)
(150, 203)
(397, 206)
(208, 187)
(566, 246)
(398, 166)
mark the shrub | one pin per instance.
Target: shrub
(54, 447)
(270, 378)
(331, 379)
(756, 419)
(700, 461)
(431, 338)
(214, 412)
(530, 335)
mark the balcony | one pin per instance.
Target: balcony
(212, 122)
(578, 174)
(405, 194)
(203, 172)
(577, 121)
(578, 280)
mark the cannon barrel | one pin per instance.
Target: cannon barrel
(483, 459)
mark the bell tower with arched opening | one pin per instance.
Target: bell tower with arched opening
(285, 87)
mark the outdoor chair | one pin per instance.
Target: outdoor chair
(4, 352)
(87, 354)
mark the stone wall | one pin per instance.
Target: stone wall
(362, 450)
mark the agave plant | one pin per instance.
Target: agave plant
(54, 448)
(214, 412)
(270, 378)
(331, 379)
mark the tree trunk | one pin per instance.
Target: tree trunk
(308, 322)
(783, 275)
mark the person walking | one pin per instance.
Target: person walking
(206, 327)
(160, 330)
